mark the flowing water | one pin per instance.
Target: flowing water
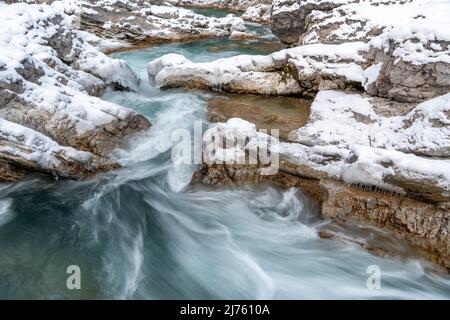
(141, 232)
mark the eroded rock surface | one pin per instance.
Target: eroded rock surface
(25, 149)
(298, 72)
(357, 185)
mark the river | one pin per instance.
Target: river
(142, 233)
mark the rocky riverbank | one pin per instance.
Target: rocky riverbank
(51, 121)
(375, 147)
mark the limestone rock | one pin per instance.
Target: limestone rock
(289, 16)
(47, 72)
(299, 71)
(138, 21)
(408, 64)
(25, 149)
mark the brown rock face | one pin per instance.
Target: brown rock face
(284, 114)
(424, 224)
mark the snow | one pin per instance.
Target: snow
(418, 43)
(230, 142)
(241, 5)
(257, 13)
(370, 168)
(344, 119)
(362, 20)
(24, 38)
(148, 21)
(370, 74)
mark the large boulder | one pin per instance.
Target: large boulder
(398, 191)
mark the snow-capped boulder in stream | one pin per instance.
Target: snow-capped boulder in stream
(379, 186)
(376, 147)
(48, 71)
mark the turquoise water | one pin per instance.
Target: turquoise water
(142, 232)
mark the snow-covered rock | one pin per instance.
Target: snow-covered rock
(407, 64)
(237, 5)
(258, 13)
(408, 52)
(298, 71)
(136, 21)
(412, 62)
(243, 74)
(337, 21)
(48, 71)
(289, 16)
(22, 148)
(344, 119)
(361, 182)
(254, 10)
(360, 164)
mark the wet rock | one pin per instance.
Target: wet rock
(282, 114)
(8, 173)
